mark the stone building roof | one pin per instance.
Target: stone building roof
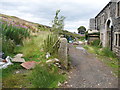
(111, 1)
(103, 9)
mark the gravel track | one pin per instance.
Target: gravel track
(88, 71)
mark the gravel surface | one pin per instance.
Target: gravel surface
(88, 71)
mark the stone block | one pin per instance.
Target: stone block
(62, 52)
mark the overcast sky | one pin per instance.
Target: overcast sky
(77, 12)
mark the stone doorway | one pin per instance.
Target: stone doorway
(109, 30)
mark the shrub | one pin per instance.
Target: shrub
(95, 43)
(11, 36)
(7, 46)
(17, 34)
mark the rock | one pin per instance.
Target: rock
(47, 55)
(57, 64)
(75, 43)
(55, 60)
(17, 59)
(66, 82)
(19, 55)
(59, 84)
(70, 85)
(80, 42)
(29, 64)
(17, 72)
(49, 61)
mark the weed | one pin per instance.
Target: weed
(48, 45)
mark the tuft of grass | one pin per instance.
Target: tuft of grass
(10, 69)
(107, 52)
(46, 76)
(49, 42)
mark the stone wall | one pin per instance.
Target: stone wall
(108, 23)
(92, 24)
(116, 46)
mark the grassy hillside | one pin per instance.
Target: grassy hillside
(28, 38)
(34, 27)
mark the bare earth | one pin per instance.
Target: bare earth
(88, 71)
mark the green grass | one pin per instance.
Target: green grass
(41, 76)
(46, 76)
(32, 47)
(17, 81)
(106, 55)
(31, 51)
(49, 42)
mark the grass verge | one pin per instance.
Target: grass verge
(106, 55)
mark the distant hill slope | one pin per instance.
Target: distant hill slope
(30, 25)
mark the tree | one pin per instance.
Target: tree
(58, 22)
(81, 30)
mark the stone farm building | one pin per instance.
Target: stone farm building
(107, 22)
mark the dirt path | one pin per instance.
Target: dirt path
(88, 71)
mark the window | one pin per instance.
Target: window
(102, 18)
(117, 39)
(118, 9)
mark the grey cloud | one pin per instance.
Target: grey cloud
(71, 10)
